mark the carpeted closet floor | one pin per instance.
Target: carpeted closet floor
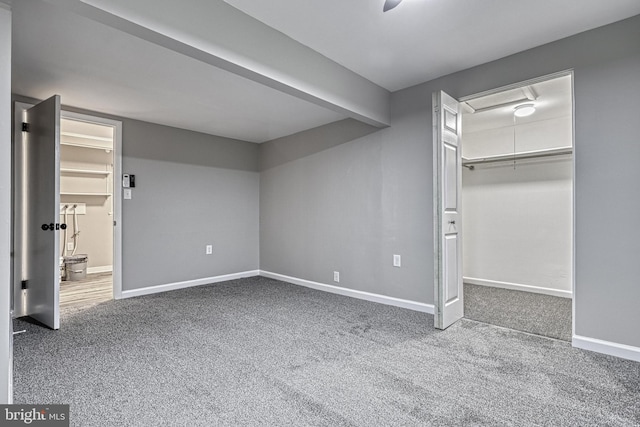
(545, 315)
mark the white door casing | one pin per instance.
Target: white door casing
(447, 192)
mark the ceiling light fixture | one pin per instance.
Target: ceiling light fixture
(390, 4)
(524, 110)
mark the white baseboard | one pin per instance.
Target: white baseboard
(517, 287)
(585, 343)
(382, 299)
(187, 284)
(607, 347)
(100, 269)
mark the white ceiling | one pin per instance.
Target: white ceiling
(423, 39)
(98, 66)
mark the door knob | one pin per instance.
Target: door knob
(52, 226)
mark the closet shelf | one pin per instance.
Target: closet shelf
(94, 147)
(64, 193)
(84, 171)
(518, 156)
(86, 136)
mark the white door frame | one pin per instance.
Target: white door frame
(20, 107)
(546, 77)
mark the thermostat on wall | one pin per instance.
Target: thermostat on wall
(128, 180)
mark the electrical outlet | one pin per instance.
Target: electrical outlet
(336, 276)
(69, 246)
(397, 261)
(209, 249)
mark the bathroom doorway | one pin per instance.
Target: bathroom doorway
(87, 208)
(89, 184)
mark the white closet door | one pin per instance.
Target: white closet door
(447, 161)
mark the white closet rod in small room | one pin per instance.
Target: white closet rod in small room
(518, 156)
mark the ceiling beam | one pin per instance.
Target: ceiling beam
(222, 36)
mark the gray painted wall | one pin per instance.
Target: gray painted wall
(352, 206)
(607, 198)
(5, 205)
(191, 190)
(288, 148)
(349, 209)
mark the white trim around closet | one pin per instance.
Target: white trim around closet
(518, 287)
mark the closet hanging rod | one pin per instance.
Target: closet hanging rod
(519, 156)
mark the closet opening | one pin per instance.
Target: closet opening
(517, 207)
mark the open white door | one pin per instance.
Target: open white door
(447, 189)
(41, 192)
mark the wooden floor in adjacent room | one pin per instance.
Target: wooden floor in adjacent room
(86, 293)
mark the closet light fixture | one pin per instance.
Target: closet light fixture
(524, 110)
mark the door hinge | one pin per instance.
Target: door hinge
(24, 284)
(114, 223)
(25, 127)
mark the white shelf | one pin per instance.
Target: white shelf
(94, 147)
(84, 171)
(86, 136)
(63, 193)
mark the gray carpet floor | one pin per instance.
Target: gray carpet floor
(538, 314)
(262, 352)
